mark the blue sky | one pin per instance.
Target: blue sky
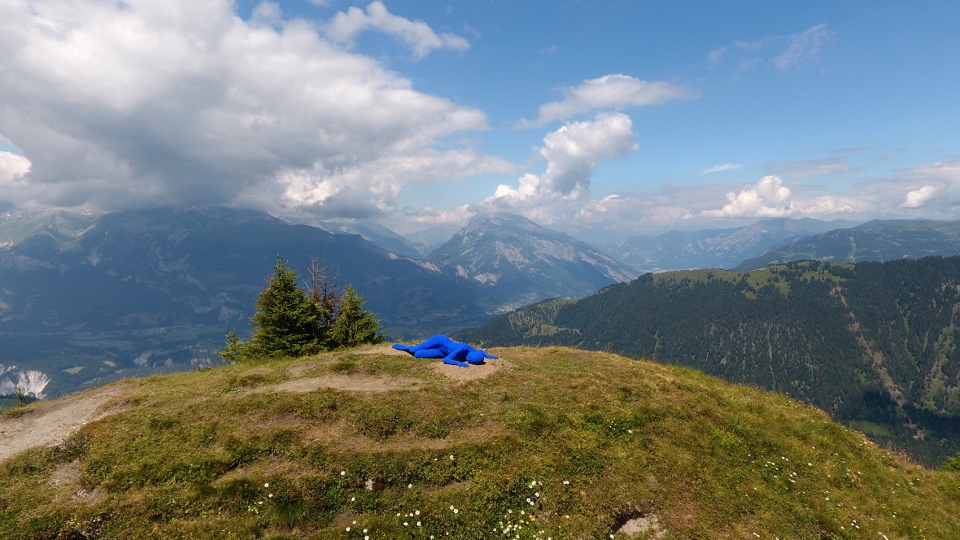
(599, 118)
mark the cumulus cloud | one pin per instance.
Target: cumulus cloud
(919, 197)
(607, 92)
(182, 102)
(571, 152)
(803, 47)
(934, 187)
(12, 167)
(770, 198)
(721, 168)
(417, 35)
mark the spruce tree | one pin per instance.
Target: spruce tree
(355, 325)
(291, 322)
(287, 321)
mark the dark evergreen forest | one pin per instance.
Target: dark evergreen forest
(873, 344)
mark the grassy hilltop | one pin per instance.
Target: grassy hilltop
(544, 443)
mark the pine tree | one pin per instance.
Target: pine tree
(291, 322)
(355, 325)
(287, 321)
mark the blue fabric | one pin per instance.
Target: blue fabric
(453, 352)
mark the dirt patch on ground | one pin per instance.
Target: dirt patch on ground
(379, 349)
(297, 370)
(648, 525)
(472, 373)
(50, 423)
(66, 474)
(350, 383)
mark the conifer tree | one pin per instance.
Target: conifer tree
(287, 321)
(291, 322)
(355, 325)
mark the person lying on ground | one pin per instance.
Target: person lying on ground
(455, 353)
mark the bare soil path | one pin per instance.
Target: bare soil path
(49, 423)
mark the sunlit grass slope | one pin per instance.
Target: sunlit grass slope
(560, 443)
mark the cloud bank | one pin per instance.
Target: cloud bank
(181, 102)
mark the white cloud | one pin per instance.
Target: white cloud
(721, 168)
(948, 171)
(727, 205)
(435, 216)
(919, 197)
(800, 48)
(267, 14)
(571, 152)
(770, 198)
(803, 47)
(182, 102)
(417, 35)
(715, 55)
(12, 167)
(607, 92)
(363, 190)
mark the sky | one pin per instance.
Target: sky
(605, 119)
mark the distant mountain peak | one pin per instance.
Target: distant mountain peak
(516, 261)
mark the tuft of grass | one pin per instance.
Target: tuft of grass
(563, 444)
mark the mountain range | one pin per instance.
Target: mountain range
(714, 248)
(878, 240)
(89, 298)
(516, 262)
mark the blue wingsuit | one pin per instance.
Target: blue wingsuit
(453, 352)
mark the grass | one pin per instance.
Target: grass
(564, 444)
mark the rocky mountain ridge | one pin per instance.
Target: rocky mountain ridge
(516, 262)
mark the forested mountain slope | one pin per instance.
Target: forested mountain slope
(873, 344)
(878, 240)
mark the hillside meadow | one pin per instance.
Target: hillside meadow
(543, 443)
